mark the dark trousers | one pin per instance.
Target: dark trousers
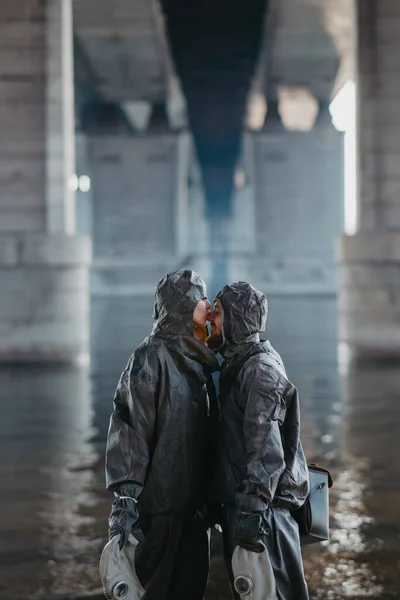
(283, 546)
(173, 561)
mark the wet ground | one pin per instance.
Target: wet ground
(53, 507)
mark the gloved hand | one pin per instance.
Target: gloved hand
(209, 514)
(124, 517)
(249, 531)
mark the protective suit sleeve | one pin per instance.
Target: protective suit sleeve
(131, 432)
(262, 392)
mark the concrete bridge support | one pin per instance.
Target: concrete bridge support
(43, 265)
(370, 260)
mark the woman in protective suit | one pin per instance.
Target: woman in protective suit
(159, 440)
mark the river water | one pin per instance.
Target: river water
(53, 506)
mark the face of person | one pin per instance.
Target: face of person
(201, 313)
(216, 318)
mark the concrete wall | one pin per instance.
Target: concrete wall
(141, 209)
(43, 266)
(22, 124)
(44, 300)
(84, 213)
(294, 202)
(370, 260)
(378, 115)
(134, 188)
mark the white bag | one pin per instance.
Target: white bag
(117, 570)
(253, 575)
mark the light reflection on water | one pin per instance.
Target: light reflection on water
(349, 515)
(345, 577)
(53, 506)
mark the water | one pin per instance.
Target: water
(53, 506)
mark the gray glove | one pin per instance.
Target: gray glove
(124, 517)
(249, 531)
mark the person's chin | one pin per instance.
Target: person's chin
(200, 332)
(214, 341)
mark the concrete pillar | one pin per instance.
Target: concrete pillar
(370, 260)
(84, 193)
(242, 240)
(140, 191)
(198, 231)
(148, 220)
(295, 194)
(43, 267)
(324, 117)
(60, 120)
(273, 119)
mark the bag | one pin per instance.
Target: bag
(313, 516)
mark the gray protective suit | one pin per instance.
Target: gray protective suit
(261, 464)
(160, 439)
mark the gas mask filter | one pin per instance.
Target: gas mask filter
(253, 575)
(117, 570)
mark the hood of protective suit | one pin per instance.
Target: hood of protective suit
(177, 295)
(245, 311)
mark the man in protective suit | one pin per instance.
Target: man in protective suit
(262, 473)
(157, 461)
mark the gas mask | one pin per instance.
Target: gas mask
(253, 575)
(117, 570)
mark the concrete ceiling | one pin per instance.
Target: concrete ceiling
(215, 46)
(215, 49)
(308, 44)
(125, 43)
